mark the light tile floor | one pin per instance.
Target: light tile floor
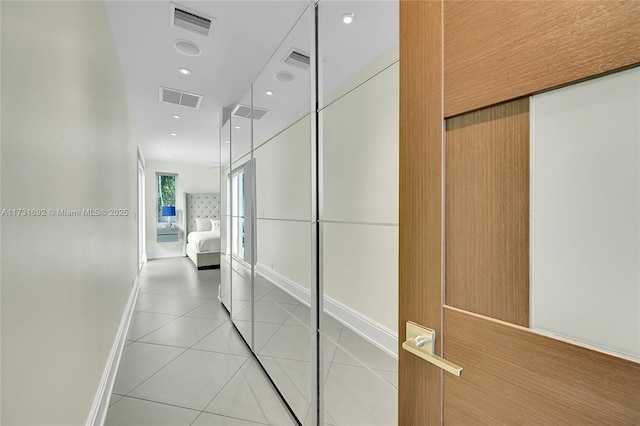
(360, 380)
(183, 362)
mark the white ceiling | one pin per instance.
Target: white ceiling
(248, 41)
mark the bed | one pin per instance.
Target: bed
(202, 216)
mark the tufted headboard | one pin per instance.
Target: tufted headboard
(201, 206)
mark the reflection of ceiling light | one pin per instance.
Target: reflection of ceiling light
(237, 127)
(226, 141)
(283, 76)
(348, 18)
(268, 92)
(184, 71)
(173, 134)
(176, 116)
(187, 47)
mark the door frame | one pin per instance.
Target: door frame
(434, 85)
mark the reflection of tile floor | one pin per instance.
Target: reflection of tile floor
(184, 363)
(360, 386)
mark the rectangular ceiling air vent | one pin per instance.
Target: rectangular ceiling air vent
(298, 59)
(244, 111)
(190, 20)
(177, 97)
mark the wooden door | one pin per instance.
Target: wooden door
(467, 70)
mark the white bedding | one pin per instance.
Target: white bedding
(204, 241)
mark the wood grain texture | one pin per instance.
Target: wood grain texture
(420, 215)
(487, 212)
(513, 376)
(501, 50)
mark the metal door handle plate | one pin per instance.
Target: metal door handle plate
(421, 341)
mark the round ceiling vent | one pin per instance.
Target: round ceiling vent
(187, 47)
(283, 76)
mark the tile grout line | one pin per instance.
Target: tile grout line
(182, 353)
(177, 347)
(156, 402)
(183, 350)
(224, 386)
(207, 335)
(228, 417)
(250, 387)
(152, 375)
(170, 362)
(152, 306)
(254, 355)
(270, 385)
(174, 315)
(156, 329)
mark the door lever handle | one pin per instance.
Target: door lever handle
(421, 342)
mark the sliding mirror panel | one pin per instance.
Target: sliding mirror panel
(585, 213)
(240, 182)
(225, 212)
(359, 175)
(282, 126)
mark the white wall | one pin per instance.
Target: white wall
(191, 179)
(65, 145)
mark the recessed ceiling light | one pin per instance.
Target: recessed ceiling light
(176, 116)
(226, 141)
(173, 134)
(187, 47)
(184, 71)
(268, 92)
(283, 76)
(237, 127)
(348, 18)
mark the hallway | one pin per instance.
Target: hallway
(183, 362)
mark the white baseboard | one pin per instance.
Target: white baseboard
(293, 289)
(241, 267)
(377, 334)
(164, 255)
(103, 396)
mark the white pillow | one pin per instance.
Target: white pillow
(203, 224)
(215, 224)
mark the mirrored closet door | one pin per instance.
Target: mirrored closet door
(358, 149)
(225, 222)
(310, 161)
(283, 278)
